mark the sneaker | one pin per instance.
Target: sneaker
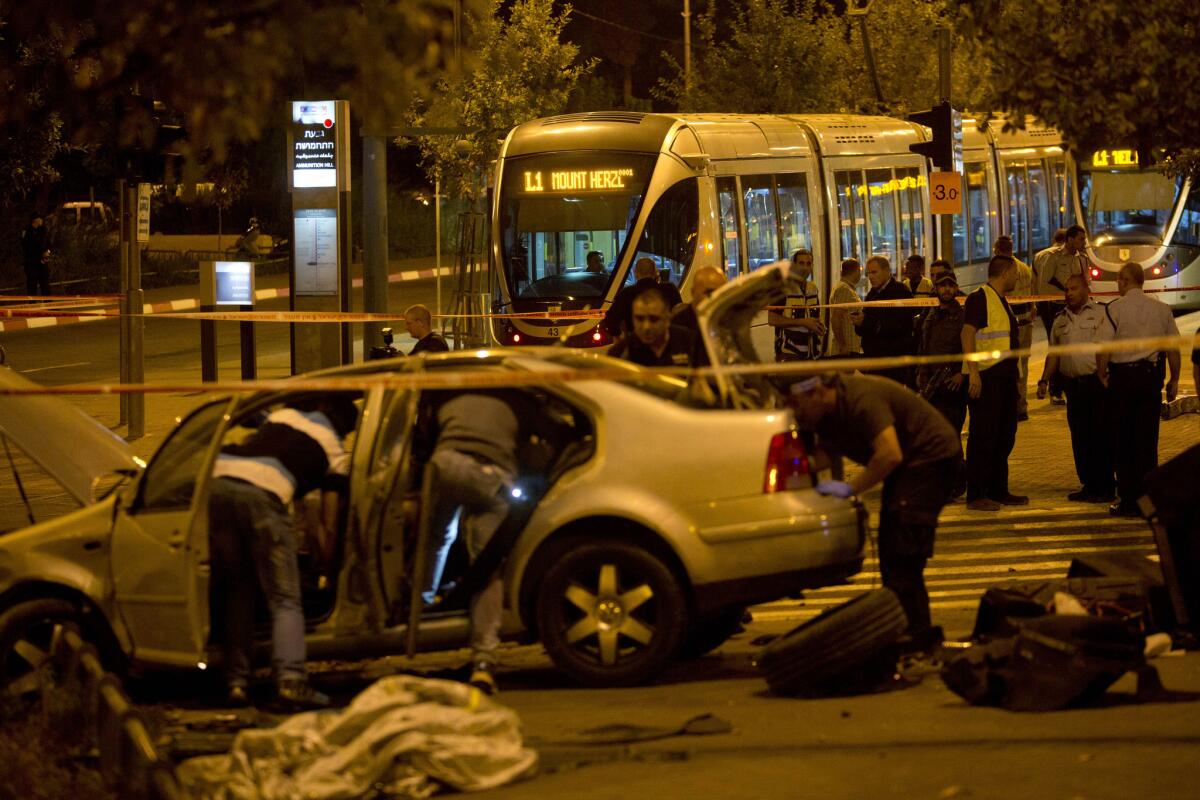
(299, 695)
(1011, 499)
(983, 504)
(237, 697)
(1058, 400)
(1119, 509)
(482, 677)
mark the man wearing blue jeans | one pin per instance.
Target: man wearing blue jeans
(476, 462)
(254, 541)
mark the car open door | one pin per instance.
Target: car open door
(160, 557)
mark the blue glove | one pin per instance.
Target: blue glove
(835, 488)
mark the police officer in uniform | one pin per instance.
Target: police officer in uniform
(989, 324)
(1135, 383)
(799, 329)
(1024, 312)
(1081, 321)
(902, 441)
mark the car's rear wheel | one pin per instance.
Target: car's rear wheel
(610, 613)
(26, 633)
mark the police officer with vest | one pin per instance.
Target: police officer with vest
(1135, 383)
(989, 324)
(1082, 321)
(799, 329)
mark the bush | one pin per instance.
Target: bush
(45, 751)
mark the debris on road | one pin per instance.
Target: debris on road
(402, 737)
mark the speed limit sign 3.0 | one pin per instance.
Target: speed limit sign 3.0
(945, 193)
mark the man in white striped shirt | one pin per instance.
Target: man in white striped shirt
(254, 541)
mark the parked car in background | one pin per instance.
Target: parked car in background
(647, 514)
(82, 214)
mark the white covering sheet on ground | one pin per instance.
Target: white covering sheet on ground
(401, 737)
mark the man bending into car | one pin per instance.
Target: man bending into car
(297, 448)
(476, 461)
(903, 441)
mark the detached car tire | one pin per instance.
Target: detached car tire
(838, 640)
(26, 630)
(610, 613)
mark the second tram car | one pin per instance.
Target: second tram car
(1133, 213)
(736, 192)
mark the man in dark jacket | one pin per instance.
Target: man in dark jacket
(35, 255)
(941, 334)
(655, 342)
(887, 330)
(420, 327)
(617, 322)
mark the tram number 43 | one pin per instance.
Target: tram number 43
(945, 193)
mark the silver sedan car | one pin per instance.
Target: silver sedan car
(653, 510)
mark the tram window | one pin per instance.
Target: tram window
(795, 227)
(671, 230)
(851, 213)
(762, 243)
(1188, 231)
(727, 197)
(881, 196)
(912, 221)
(1040, 233)
(978, 216)
(1018, 202)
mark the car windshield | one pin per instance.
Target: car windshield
(665, 387)
(565, 219)
(1127, 205)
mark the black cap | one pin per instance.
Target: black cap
(946, 277)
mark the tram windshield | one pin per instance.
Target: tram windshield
(565, 219)
(1127, 205)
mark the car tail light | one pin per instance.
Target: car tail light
(787, 464)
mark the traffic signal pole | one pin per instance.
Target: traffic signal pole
(945, 221)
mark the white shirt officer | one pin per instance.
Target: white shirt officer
(1084, 326)
(1135, 315)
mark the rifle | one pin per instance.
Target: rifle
(936, 381)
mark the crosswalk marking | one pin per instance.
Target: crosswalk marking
(973, 554)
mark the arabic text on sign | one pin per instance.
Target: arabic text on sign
(1115, 158)
(581, 180)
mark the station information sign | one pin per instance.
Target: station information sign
(314, 144)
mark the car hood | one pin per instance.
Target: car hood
(75, 449)
(725, 319)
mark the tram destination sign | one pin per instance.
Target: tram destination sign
(1115, 158)
(574, 181)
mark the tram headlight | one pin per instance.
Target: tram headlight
(516, 338)
(1095, 272)
(1156, 271)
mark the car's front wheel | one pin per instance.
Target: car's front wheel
(610, 613)
(26, 633)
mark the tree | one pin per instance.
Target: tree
(524, 71)
(772, 56)
(1105, 73)
(226, 67)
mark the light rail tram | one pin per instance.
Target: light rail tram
(739, 191)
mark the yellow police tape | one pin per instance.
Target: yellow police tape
(452, 378)
(345, 317)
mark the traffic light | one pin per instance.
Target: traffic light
(945, 149)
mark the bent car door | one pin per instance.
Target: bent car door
(160, 544)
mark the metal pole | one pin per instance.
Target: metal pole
(945, 221)
(375, 235)
(687, 46)
(870, 54)
(437, 245)
(123, 276)
(137, 327)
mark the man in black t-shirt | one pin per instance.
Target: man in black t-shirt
(654, 342)
(420, 327)
(989, 324)
(907, 444)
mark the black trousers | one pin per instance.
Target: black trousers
(1135, 401)
(992, 434)
(1091, 443)
(913, 497)
(37, 279)
(952, 405)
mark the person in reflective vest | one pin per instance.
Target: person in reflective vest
(989, 324)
